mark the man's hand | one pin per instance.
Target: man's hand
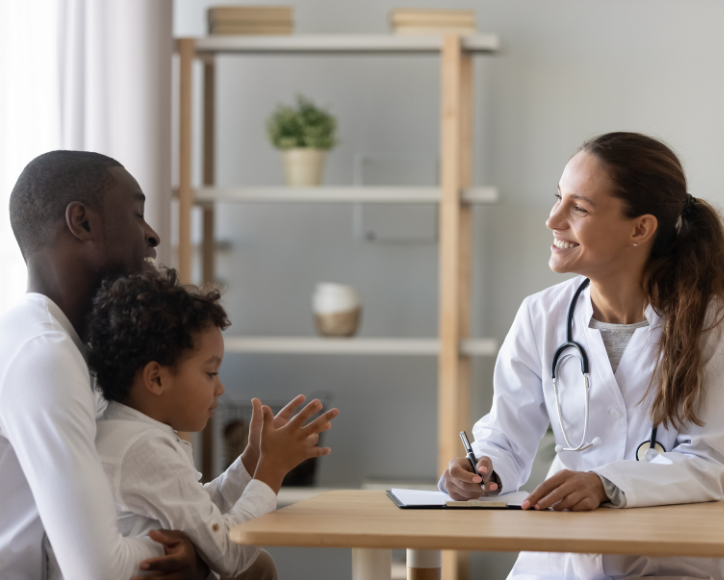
(251, 454)
(462, 484)
(181, 561)
(576, 491)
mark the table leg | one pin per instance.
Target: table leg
(371, 564)
(424, 564)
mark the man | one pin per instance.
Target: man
(77, 217)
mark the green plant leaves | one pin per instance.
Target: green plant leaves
(303, 126)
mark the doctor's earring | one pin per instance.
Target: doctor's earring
(635, 244)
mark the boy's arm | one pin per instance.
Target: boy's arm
(226, 489)
(47, 412)
(158, 482)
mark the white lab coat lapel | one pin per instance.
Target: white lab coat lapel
(602, 376)
(639, 359)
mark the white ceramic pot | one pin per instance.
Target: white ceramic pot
(337, 310)
(304, 167)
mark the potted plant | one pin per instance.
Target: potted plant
(303, 134)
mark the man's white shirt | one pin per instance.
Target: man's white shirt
(51, 479)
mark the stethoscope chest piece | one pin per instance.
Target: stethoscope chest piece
(646, 452)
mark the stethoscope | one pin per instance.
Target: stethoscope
(647, 451)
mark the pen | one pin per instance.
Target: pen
(471, 457)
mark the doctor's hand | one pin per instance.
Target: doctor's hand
(576, 491)
(462, 484)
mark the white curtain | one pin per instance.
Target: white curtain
(29, 113)
(85, 74)
(115, 92)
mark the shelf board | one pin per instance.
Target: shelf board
(342, 44)
(333, 194)
(354, 346)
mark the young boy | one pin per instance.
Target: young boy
(156, 348)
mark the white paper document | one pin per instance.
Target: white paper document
(414, 497)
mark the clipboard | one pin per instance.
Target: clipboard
(407, 499)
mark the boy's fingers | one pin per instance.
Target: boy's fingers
(307, 412)
(256, 414)
(267, 419)
(319, 451)
(283, 415)
(321, 423)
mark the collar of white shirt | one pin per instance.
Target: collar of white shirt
(55, 311)
(122, 412)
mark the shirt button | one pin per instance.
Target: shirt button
(614, 413)
(215, 527)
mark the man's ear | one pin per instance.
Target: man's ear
(156, 378)
(83, 222)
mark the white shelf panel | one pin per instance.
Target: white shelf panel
(342, 44)
(328, 194)
(354, 346)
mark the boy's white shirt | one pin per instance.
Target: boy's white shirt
(155, 485)
(49, 467)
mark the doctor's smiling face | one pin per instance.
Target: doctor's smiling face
(591, 234)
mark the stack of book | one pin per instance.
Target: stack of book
(428, 21)
(251, 20)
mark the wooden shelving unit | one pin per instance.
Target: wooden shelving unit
(453, 347)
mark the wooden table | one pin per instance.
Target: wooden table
(370, 524)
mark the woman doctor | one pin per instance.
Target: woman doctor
(649, 323)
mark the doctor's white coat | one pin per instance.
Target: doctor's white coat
(691, 470)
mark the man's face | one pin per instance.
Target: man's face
(127, 238)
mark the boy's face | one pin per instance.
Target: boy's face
(195, 386)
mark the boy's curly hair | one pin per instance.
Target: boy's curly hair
(143, 318)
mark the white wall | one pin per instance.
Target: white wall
(568, 70)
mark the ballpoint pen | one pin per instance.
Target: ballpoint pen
(471, 457)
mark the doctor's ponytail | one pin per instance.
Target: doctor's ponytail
(685, 270)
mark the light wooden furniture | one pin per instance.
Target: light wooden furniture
(453, 347)
(370, 524)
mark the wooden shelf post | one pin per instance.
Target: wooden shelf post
(455, 276)
(208, 258)
(186, 52)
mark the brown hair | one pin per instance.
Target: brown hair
(684, 271)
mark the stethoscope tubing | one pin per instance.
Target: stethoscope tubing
(559, 357)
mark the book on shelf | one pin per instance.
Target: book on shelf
(421, 17)
(250, 13)
(251, 20)
(409, 21)
(251, 29)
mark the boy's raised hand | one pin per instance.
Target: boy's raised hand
(283, 448)
(251, 454)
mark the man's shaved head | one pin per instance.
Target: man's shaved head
(45, 188)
